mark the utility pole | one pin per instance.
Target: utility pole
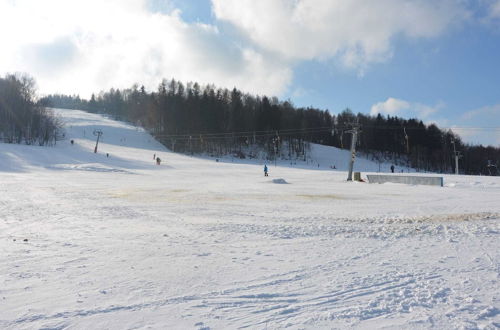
(457, 155)
(354, 131)
(276, 142)
(407, 139)
(98, 133)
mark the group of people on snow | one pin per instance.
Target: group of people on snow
(158, 160)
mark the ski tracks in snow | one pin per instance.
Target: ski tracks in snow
(202, 245)
(254, 305)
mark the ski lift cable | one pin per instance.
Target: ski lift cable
(324, 129)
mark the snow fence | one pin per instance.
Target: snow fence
(406, 179)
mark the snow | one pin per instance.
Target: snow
(279, 181)
(95, 242)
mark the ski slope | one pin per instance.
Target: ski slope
(95, 242)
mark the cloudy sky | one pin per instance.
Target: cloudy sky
(435, 60)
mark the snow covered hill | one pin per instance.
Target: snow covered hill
(132, 148)
(96, 241)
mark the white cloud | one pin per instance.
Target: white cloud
(425, 111)
(480, 125)
(358, 32)
(489, 113)
(478, 135)
(477, 126)
(402, 108)
(490, 16)
(391, 106)
(83, 46)
(494, 11)
(465, 133)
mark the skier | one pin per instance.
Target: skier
(158, 160)
(392, 168)
(265, 170)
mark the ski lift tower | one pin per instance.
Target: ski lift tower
(491, 167)
(276, 141)
(457, 155)
(98, 133)
(355, 130)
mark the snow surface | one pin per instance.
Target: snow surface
(95, 242)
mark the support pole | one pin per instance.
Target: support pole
(407, 150)
(98, 133)
(457, 155)
(276, 141)
(354, 131)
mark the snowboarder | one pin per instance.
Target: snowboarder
(265, 170)
(392, 168)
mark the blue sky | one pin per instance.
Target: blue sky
(437, 61)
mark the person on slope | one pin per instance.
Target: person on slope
(265, 170)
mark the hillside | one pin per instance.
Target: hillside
(132, 148)
(204, 119)
(95, 241)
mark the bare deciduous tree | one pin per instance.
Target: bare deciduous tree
(22, 119)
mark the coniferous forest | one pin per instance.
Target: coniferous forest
(190, 118)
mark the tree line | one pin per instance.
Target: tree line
(22, 118)
(192, 118)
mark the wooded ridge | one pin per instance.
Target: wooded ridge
(194, 119)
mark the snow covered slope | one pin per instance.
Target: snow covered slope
(130, 147)
(95, 242)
